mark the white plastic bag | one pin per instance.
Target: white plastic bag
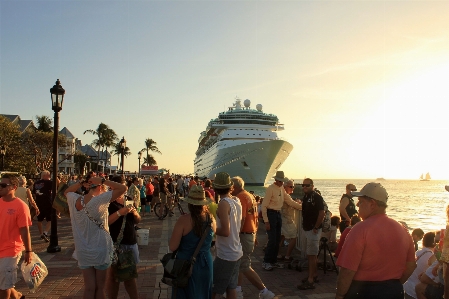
(34, 273)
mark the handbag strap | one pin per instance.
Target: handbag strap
(203, 237)
(120, 235)
(98, 223)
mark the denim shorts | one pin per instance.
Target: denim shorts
(226, 274)
(98, 267)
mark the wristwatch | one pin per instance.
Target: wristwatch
(118, 214)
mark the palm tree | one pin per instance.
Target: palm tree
(149, 160)
(99, 142)
(109, 140)
(117, 151)
(150, 145)
(44, 123)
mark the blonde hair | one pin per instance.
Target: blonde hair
(22, 181)
(44, 172)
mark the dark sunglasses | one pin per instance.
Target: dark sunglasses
(291, 187)
(306, 185)
(4, 185)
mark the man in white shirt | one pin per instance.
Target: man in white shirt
(229, 249)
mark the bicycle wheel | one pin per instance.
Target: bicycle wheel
(157, 210)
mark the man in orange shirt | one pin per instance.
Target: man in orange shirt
(193, 182)
(248, 234)
(15, 221)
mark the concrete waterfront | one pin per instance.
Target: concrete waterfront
(65, 279)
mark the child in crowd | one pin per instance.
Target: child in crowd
(417, 235)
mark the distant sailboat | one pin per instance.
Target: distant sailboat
(425, 178)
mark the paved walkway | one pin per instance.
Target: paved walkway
(65, 279)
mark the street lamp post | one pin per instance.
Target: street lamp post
(123, 147)
(57, 98)
(140, 157)
(2, 154)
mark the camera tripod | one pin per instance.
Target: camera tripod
(325, 248)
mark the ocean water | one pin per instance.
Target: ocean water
(419, 204)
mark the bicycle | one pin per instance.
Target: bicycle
(165, 209)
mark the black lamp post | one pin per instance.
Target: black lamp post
(57, 98)
(2, 155)
(140, 157)
(123, 147)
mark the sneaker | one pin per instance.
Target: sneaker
(239, 294)
(267, 266)
(306, 286)
(315, 279)
(278, 265)
(267, 295)
(45, 238)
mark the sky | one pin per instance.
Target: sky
(361, 86)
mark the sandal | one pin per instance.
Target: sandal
(306, 286)
(315, 279)
(289, 259)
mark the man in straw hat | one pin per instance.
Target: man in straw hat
(378, 255)
(275, 196)
(229, 249)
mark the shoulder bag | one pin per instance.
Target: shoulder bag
(177, 271)
(125, 268)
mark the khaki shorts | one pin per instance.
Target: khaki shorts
(247, 241)
(313, 242)
(288, 230)
(8, 268)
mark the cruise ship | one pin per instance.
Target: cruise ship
(244, 142)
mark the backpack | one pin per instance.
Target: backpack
(327, 218)
(326, 224)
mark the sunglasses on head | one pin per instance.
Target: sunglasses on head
(306, 185)
(4, 185)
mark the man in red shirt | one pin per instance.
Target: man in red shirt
(15, 221)
(378, 255)
(149, 189)
(248, 233)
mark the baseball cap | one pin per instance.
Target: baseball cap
(373, 190)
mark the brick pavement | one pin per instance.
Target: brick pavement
(65, 279)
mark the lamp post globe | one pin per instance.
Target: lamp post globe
(57, 98)
(123, 147)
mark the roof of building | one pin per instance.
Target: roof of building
(66, 132)
(12, 118)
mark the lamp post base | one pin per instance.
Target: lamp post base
(53, 249)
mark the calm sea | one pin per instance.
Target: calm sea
(419, 204)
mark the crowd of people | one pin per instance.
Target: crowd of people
(106, 210)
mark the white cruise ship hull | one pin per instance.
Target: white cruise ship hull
(255, 161)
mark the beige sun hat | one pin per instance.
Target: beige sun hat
(197, 197)
(373, 190)
(222, 181)
(280, 176)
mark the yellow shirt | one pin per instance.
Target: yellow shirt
(274, 199)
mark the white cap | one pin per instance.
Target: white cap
(373, 190)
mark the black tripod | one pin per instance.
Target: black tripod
(325, 247)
